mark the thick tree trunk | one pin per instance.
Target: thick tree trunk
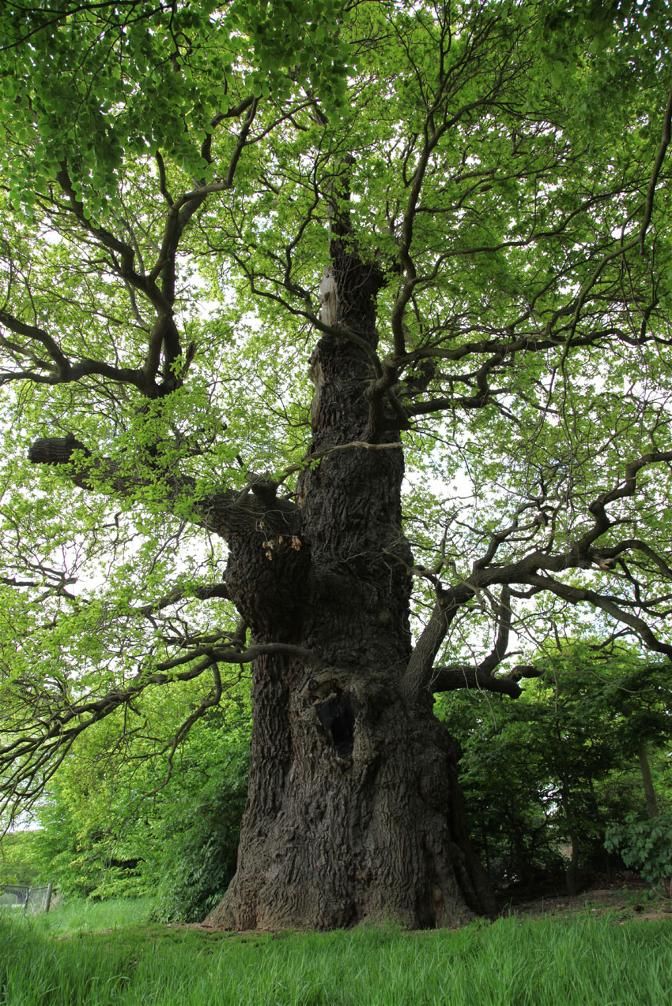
(353, 810)
(352, 814)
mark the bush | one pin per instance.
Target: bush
(645, 846)
(198, 859)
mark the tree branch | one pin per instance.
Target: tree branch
(455, 676)
(225, 513)
(419, 668)
(29, 761)
(203, 593)
(660, 157)
(504, 613)
(535, 570)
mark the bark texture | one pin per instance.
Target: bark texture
(354, 811)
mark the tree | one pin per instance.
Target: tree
(563, 764)
(457, 220)
(127, 820)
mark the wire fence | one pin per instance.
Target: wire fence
(28, 899)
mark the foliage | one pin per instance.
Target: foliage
(177, 168)
(140, 818)
(504, 773)
(645, 846)
(20, 860)
(116, 82)
(560, 765)
(196, 835)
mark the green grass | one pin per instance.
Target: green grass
(78, 916)
(548, 962)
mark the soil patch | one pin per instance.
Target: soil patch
(626, 902)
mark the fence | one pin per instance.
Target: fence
(30, 899)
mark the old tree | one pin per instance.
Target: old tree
(271, 274)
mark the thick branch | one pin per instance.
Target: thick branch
(498, 652)
(36, 334)
(225, 513)
(159, 285)
(419, 668)
(203, 593)
(580, 554)
(125, 252)
(57, 368)
(612, 606)
(452, 677)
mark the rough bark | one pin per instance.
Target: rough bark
(354, 811)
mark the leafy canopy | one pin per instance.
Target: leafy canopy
(170, 179)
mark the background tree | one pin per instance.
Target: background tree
(457, 220)
(129, 814)
(559, 770)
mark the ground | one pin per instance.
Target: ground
(625, 902)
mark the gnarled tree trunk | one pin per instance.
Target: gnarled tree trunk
(353, 810)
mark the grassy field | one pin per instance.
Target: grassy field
(90, 955)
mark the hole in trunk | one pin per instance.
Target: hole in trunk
(338, 719)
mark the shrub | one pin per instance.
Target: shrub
(645, 846)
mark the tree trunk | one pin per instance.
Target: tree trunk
(572, 872)
(352, 814)
(353, 811)
(647, 780)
